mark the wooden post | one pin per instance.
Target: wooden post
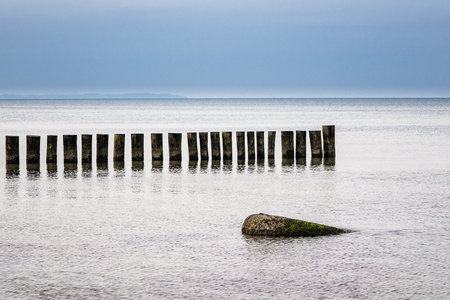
(175, 146)
(328, 141)
(86, 168)
(70, 149)
(12, 150)
(86, 148)
(119, 147)
(137, 147)
(287, 144)
(157, 147)
(102, 148)
(204, 154)
(260, 153)
(227, 142)
(52, 169)
(251, 144)
(192, 146)
(33, 149)
(174, 166)
(271, 144)
(52, 147)
(240, 145)
(193, 165)
(315, 138)
(300, 144)
(215, 145)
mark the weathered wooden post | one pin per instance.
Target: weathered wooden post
(204, 154)
(175, 154)
(271, 144)
(260, 153)
(251, 144)
(86, 167)
(192, 146)
(52, 147)
(328, 141)
(287, 144)
(102, 148)
(12, 150)
(193, 166)
(315, 138)
(70, 149)
(137, 147)
(204, 164)
(157, 147)
(33, 149)
(215, 145)
(240, 145)
(300, 144)
(175, 140)
(86, 148)
(227, 142)
(119, 148)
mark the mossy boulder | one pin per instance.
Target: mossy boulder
(268, 225)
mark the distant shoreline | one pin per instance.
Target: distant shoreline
(90, 96)
(150, 96)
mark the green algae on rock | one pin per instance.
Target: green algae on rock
(268, 225)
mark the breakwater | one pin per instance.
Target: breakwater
(202, 146)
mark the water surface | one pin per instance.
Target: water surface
(173, 231)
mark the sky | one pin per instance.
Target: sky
(233, 48)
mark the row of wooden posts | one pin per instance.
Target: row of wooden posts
(174, 143)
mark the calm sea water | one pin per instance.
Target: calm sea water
(123, 232)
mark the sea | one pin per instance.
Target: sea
(173, 230)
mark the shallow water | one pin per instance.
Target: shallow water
(174, 231)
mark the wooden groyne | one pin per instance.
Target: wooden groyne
(70, 149)
(86, 149)
(137, 147)
(202, 146)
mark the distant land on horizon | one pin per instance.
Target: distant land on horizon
(143, 96)
(90, 96)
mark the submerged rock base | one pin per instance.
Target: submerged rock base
(267, 225)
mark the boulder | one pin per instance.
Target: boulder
(267, 225)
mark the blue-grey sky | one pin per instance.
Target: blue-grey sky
(234, 48)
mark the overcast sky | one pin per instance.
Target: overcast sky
(233, 48)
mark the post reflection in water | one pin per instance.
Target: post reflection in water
(241, 165)
(102, 169)
(52, 170)
(316, 161)
(193, 166)
(175, 166)
(86, 170)
(329, 161)
(118, 165)
(12, 171)
(228, 166)
(251, 165)
(215, 165)
(33, 171)
(157, 166)
(301, 161)
(260, 162)
(204, 166)
(137, 165)
(287, 162)
(70, 170)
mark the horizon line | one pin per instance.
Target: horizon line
(141, 96)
